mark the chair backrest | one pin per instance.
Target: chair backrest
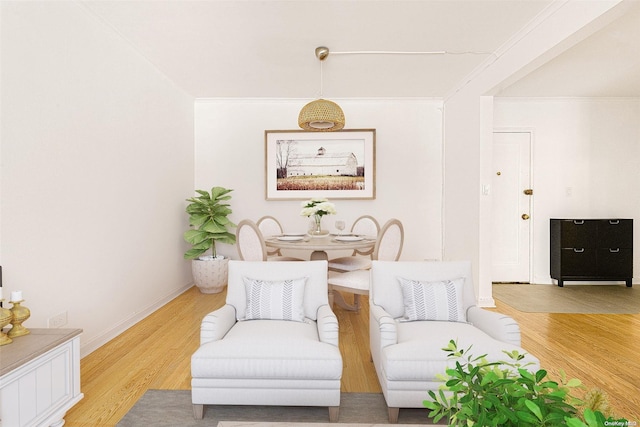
(368, 226)
(269, 226)
(250, 242)
(388, 246)
(387, 293)
(315, 290)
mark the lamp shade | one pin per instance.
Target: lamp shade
(321, 115)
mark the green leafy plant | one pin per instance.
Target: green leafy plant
(208, 215)
(482, 393)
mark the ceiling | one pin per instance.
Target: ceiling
(266, 48)
(605, 64)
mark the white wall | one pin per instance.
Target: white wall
(586, 154)
(230, 152)
(97, 159)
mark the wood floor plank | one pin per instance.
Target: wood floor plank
(602, 350)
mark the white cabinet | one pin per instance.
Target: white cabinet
(39, 378)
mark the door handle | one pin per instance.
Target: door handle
(528, 192)
(525, 217)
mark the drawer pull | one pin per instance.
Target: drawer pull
(578, 250)
(578, 221)
(614, 221)
(614, 250)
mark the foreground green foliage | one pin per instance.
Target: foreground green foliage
(208, 215)
(506, 393)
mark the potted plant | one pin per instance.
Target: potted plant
(208, 218)
(481, 393)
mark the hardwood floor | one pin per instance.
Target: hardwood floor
(601, 350)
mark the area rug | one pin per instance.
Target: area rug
(172, 408)
(588, 299)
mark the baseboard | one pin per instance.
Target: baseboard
(97, 342)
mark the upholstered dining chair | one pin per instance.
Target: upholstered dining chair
(388, 247)
(360, 259)
(251, 246)
(270, 226)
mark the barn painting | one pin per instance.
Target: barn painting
(339, 164)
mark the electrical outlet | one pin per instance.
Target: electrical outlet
(58, 321)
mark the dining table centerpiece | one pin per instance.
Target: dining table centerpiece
(317, 208)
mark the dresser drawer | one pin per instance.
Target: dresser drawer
(578, 233)
(616, 262)
(615, 233)
(578, 262)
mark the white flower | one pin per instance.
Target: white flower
(308, 211)
(318, 206)
(327, 207)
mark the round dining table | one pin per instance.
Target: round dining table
(320, 245)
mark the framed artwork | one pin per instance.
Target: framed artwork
(335, 165)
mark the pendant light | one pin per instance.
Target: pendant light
(321, 115)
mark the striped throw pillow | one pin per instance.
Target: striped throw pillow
(275, 300)
(441, 300)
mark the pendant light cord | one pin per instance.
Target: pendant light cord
(321, 80)
(395, 52)
(390, 52)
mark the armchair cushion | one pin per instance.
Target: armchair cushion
(415, 358)
(268, 349)
(275, 300)
(439, 300)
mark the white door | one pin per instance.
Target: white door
(511, 208)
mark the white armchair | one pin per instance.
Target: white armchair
(407, 349)
(275, 342)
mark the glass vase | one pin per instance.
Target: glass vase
(316, 230)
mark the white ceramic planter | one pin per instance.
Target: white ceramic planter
(210, 275)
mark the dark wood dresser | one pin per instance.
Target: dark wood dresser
(592, 249)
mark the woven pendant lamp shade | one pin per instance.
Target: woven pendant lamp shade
(321, 115)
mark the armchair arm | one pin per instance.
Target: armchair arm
(497, 325)
(382, 328)
(216, 324)
(327, 325)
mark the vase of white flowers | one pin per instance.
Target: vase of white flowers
(317, 208)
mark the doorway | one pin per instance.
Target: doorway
(511, 207)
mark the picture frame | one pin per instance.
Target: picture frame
(334, 165)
